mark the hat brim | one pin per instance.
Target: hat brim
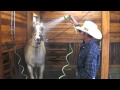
(95, 33)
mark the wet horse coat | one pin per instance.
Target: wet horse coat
(35, 53)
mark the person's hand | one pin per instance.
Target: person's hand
(74, 21)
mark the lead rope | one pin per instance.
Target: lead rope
(67, 58)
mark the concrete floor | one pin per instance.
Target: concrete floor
(55, 74)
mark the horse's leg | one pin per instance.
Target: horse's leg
(36, 74)
(41, 71)
(30, 71)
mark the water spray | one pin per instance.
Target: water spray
(68, 17)
(72, 20)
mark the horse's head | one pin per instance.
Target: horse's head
(38, 32)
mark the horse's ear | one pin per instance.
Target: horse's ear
(42, 27)
(33, 27)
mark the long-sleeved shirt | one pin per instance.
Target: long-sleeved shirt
(88, 60)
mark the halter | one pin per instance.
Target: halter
(34, 46)
(41, 36)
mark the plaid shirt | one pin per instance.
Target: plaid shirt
(88, 60)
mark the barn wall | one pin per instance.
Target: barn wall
(0, 51)
(21, 27)
(114, 26)
(114, 72)
(65, 28)
(8, 39)
(60, 35)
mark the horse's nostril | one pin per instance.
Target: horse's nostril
(38, 39)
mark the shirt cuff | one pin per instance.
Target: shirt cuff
(77, 25)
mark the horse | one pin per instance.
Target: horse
(35, 52)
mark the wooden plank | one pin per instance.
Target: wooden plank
(20, 44)
(113, 66)
(54, 67)
(115, 37)
(65, 41)
(54, 58)
(19, 14)
(105, 44)
(54, 49)
(6, 12)
(5, 30)
(115, 27)
(115, 53)
(1, 63)
(114, 15)
(5, 51)
(59, 14)
(115, 21)
(65, 28)
(7, 22)
(8, 17)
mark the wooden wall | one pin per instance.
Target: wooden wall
(67, 35)
(1, 69)
(60, 35)
(114, 26)
(23, 28)
(20, 30)
(8, 55)
(114, 37)
(114, 72)
(65, 28)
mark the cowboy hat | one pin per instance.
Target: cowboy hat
(90, 28)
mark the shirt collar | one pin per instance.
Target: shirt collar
(90, 42)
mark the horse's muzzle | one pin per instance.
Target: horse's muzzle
(38, 41)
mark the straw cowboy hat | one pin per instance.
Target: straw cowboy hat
(90, 28)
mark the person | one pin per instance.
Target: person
(88, 61)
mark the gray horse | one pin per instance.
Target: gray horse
(35, 53)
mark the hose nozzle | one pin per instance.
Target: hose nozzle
(68, 17)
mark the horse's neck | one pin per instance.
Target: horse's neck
(31, 42)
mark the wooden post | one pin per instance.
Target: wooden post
(105, 44)
(1, 64)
